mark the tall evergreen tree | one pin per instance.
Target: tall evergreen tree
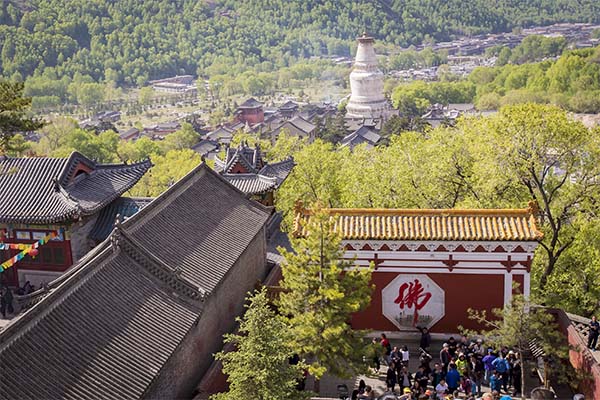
(259, 368)
(13, 118)
(320, 293)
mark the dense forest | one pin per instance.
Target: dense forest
(128, 42)
(572, 81)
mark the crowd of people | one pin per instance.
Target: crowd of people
(460, 371)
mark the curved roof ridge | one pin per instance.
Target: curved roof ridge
(165, 273)
(180, 185)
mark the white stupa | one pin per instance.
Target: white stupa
(366, 83)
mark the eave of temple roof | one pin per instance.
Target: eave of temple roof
(124, 207)
(252, 183)
(46, 190)
(251, 103)
(428, 224)
(279, 170)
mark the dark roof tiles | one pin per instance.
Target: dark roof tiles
(213, 236)
(47, 190)
(104, 336)
(252, 183)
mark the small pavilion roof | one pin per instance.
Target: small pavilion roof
(427, 224)
(252, 183)
(251, 103)
(46, 190)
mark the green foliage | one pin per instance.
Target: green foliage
(182, 139)
(413, 99)
(101, 148)
(320, 293)
(526, 152)
(518, 324)
(138, 150)
(284, 147)
(167, 170)
(131, 42)
(258, 368)
(572, 81)
(536, 48)
(575, 285)
(13, 118)
(417, 59)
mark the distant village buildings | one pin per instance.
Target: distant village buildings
(176, 84)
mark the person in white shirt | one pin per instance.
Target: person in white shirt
(405, 355)
(441, 389)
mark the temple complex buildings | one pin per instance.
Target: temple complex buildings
(245, 168)
(141, 315)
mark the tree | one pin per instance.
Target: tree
(320, 293)
(13, 117)
(554, 158)
(18, 146)
(517, 326)
(167, 170)
(285, 146)
(142, 148)
(259, 367)
(184, 138)
(146, 95)
(575, 284)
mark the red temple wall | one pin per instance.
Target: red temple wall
(252, 116)
(462, 291)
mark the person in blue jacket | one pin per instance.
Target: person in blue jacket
(495, 382)
(452, 378)
(502, 367)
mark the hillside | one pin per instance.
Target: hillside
(129, 41)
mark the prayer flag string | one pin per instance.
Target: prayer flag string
(27, 249)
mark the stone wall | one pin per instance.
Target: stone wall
(79, 232)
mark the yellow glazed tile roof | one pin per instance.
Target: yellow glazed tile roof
(424, 224)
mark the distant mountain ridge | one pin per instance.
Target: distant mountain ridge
(131, 41)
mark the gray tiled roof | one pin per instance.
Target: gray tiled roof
(249, 157)
(44, 190)
(214, 233)
(111, 323)
(359, 136)
(302, 124)
(250, 103)
(103, 334)
(279, 170)
(252, 183)
(205, 146)
(125, 207)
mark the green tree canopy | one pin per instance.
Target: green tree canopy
(320, 293)
(13, 116)
(259, 367)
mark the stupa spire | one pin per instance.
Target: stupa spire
(366, 83)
